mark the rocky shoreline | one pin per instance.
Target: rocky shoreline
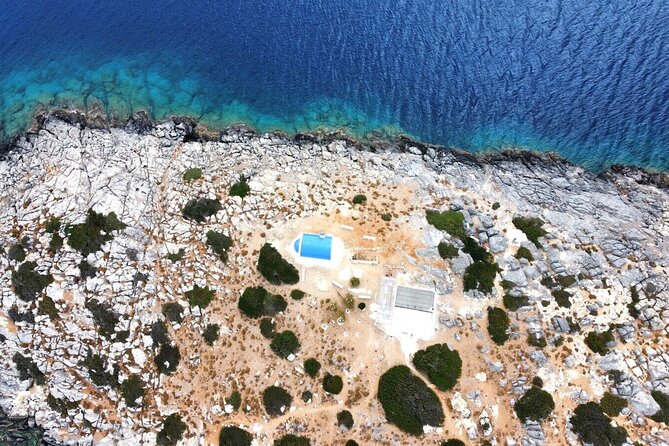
(604, 245)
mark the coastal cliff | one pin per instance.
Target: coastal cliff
(96, 240)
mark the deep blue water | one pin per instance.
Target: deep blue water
(589, 80)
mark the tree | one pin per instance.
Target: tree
(167, 359)
(267, 327)
(219, 243)
(535, 405)
(89, 236)
(234, 436)
(452, 442)
(132, 389)
(594, 427)
(447, 250)
(532, 227)
(612, 405)
(173, 312)
(256, 302)
(407, 401)
(442, 365)
(172, 431)
(285, 344)
(345, 419)
(199, 209)
(292, 440)
(275, 399)
(199, 297)
(29, 284)
(480, 276)
(333, 384)
(240, 189)
(210, 333)
(450, 221)
(359, 199)
(275, 268)
(662, 399)
(498, 325)
(103, 316)
(524, 253)
(28, 369)
(312, 367)
(598, 342)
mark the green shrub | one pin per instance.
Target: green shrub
(535, 405)
(172, 431)
(612, 404)
(594, 427)
(158, 333)
(452, 442)
(297, 294)
(566, 281)
(48, 307)
(167, 359)
(16, 252)
(60, 405)
(28, 370)
(535, 340)
(192, 174)
(199, 297)
(351, 443)
(407, 401)
(103, 316)
(292, 440)
(498, 325)
(25, 316)
(219, 243)
(345, 419)
(256, 302)
(597, 341)
(52, 226)
(199, 209)
(240, 189)
(359, 199)
(349, 301)
(275, 268)
(132, 389)
(354, 282)
(285, 344)
(332, 384)
(476, 251)
(210, 333)
(562, 298)
(176, 256)
(86, 269)
(442, 365)
(98, 371)
(55, 243)
(267, 328)
(274, 399)
(234, 436)
(538, 382)
(480, 276)
(27, 283)
(449, 221)
(235, 399)
(515, 303)
(532, 227)
(507, 284)
(524, 253)
(173, 311)
(631, 307)
(447, 250)
(307, 396)
(312, 367)
(662, 399)
(386, 216)
(89, 236)
(495, 206)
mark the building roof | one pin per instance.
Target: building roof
(414, 299)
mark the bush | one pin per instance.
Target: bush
(524, 253)
(498, 325)
(256, 302)
(297, 294)
(345, 419)
(199, 297)
(275, 268)
(60, 405)
(173, 312)
(132, 389)
(478, 252)
(176, 256)
(332, 384)
(28, 370)
(594, 427)
(292, 440)
(442, 365)
(167, 359)
(535, 405)
(88, 237)
(515, 303)
(307, 396)
(274, 399)
(536, 340)
(662, 399)
(158, 333)
(285, 344)
(234, 436)
(354, 282)
(16, 252)
(452, 442)
(597, 341)
(495, 206)
(407, 401)
(267, 328)
(27, 283)
(103, 316)
(480, 276)
(562, 298)
(235, 399)
(538, 382)
(48, 307)
(210, 333)
(532, 227)
(612, 404)
(447, 250)
(631, 307)
(56, 243)
(97, 370)
(566, 281)
(386, 216)
(86, 269)
(192, 174)
(312, 367)
(449, 221)
(219, 243)
(172, 431)
(52, 226)
(240, 189)
(359, 199)
(199, 209)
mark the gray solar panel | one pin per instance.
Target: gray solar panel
(414, 299)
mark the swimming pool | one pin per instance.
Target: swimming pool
(315, 246)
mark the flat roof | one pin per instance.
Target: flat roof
(414, 299)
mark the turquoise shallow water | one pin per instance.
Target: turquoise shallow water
(589, 80)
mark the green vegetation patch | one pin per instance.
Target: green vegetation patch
(442, 365)
(297, 294)
(103, 316)
(173, 311)
(210, 333)
(480, 276)
(28, 370)
(235, 399)
(192, 174)
(256, 302)
(172, 431)
(566, 281)
(662, 399)
(275, 268)
(562, 297)
(612, 404)
(450, 221)
(447, 250)
(267, 328)
(167, 359)
(89, 236)
(199, 209)
(592, 425)
(524, 253)
(99, 372)
(512, 303)
(86, 270)
(52, 226)
(219, 243)
(498, 325)
(16, 252)
(408, 402)
(240, 189)
(597, 341)
(359, 199)
(55, 243)
(312, 367)
(48, 307)
(535, 405)
(292, 440)
(332, 384)
(61, 405)
(345, 419)
(476, 251)
(132, 389)
(354, 282)
(285, 344)
(275, 399)
(452, 442)
(176, 256)
(199, 296)
(234, 436)
(631, 307)
(532, 227)
(28, 283)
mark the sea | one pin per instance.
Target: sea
(586, 79)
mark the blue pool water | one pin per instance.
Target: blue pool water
(314, 246)
(589, 80)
